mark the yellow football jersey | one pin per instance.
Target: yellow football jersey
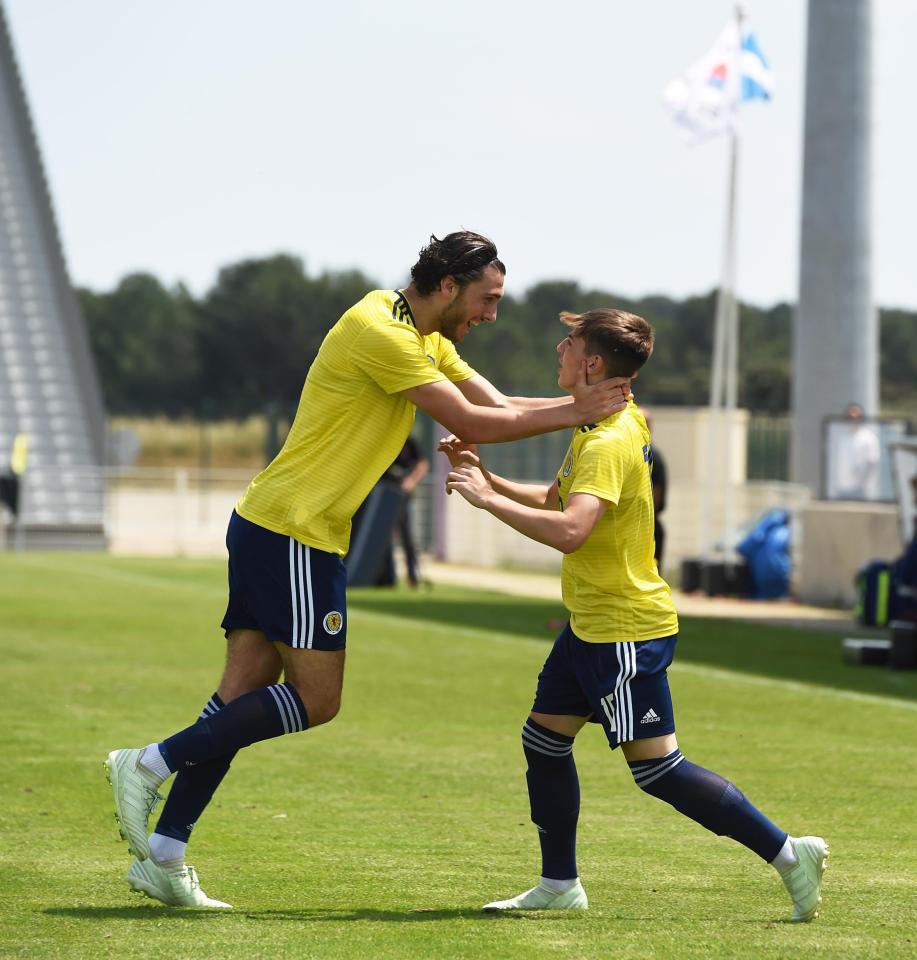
(351, 423)
(611, 585)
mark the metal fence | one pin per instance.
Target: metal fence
(768, 448)
(538, 458)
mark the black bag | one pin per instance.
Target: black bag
(875, 594)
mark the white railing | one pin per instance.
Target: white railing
(178, 511)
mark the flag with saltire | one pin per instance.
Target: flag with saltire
(705, 100)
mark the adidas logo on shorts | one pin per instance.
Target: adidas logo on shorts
(651, 716)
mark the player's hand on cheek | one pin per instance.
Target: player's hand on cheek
(594, 402)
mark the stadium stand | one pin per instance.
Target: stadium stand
(48, 384)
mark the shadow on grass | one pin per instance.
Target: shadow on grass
(155, 913)
(782, 652)
(365, 914)
(151, 911)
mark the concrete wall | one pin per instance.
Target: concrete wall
(692, 454)
(834, 541)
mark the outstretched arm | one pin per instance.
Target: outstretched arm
(446, 403)
(565, 531)
(480, 391)
(540, 495)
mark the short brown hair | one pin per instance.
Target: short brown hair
(623, 340)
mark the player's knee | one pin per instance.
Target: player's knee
(657, 775)
(322, 708)
(543, 746)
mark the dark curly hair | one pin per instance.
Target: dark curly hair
(462, 255)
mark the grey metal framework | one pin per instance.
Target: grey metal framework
(49, 389)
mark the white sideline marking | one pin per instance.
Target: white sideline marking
(755, 679)
(795, 686)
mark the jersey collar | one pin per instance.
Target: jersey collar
(401, 310)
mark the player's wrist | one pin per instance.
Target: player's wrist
(580, 413)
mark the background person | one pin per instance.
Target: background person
(857, 458)
(660, 481)
(409, 468)
(382, 512)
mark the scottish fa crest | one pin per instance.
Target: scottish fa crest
(568, 464)
(333, 622)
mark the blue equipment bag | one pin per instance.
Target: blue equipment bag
(766, 548)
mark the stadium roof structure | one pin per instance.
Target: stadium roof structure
(49, 389)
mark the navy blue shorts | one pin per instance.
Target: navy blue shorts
(623, 686)
(292, 593)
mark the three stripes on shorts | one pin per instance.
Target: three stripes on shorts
(301, 595)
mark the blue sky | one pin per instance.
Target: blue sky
(181, 136)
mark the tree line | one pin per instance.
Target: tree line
(245, 345)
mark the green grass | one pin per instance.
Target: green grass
(380, 835)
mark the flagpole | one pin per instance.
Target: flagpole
(706, 101)
(732, 313)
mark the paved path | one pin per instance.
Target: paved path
(547, 587)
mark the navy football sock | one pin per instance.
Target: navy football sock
(193, 788)
(554, 797)
(260, 715)
(709, 799)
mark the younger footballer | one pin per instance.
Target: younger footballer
(609, 663)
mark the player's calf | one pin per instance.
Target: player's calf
(710, 800)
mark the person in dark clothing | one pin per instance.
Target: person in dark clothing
(408, 469)
(905, 574)
(659, 480)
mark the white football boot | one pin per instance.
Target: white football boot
(543, 898)
(174, 884)
(804, 878)
(135, 796)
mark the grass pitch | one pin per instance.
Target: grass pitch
(380, 835)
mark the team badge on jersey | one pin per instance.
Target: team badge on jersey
(333, 622)
(568, 464)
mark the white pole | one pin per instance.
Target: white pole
(714, 409)
(725, 342)
(732, 322)
(732, 352)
